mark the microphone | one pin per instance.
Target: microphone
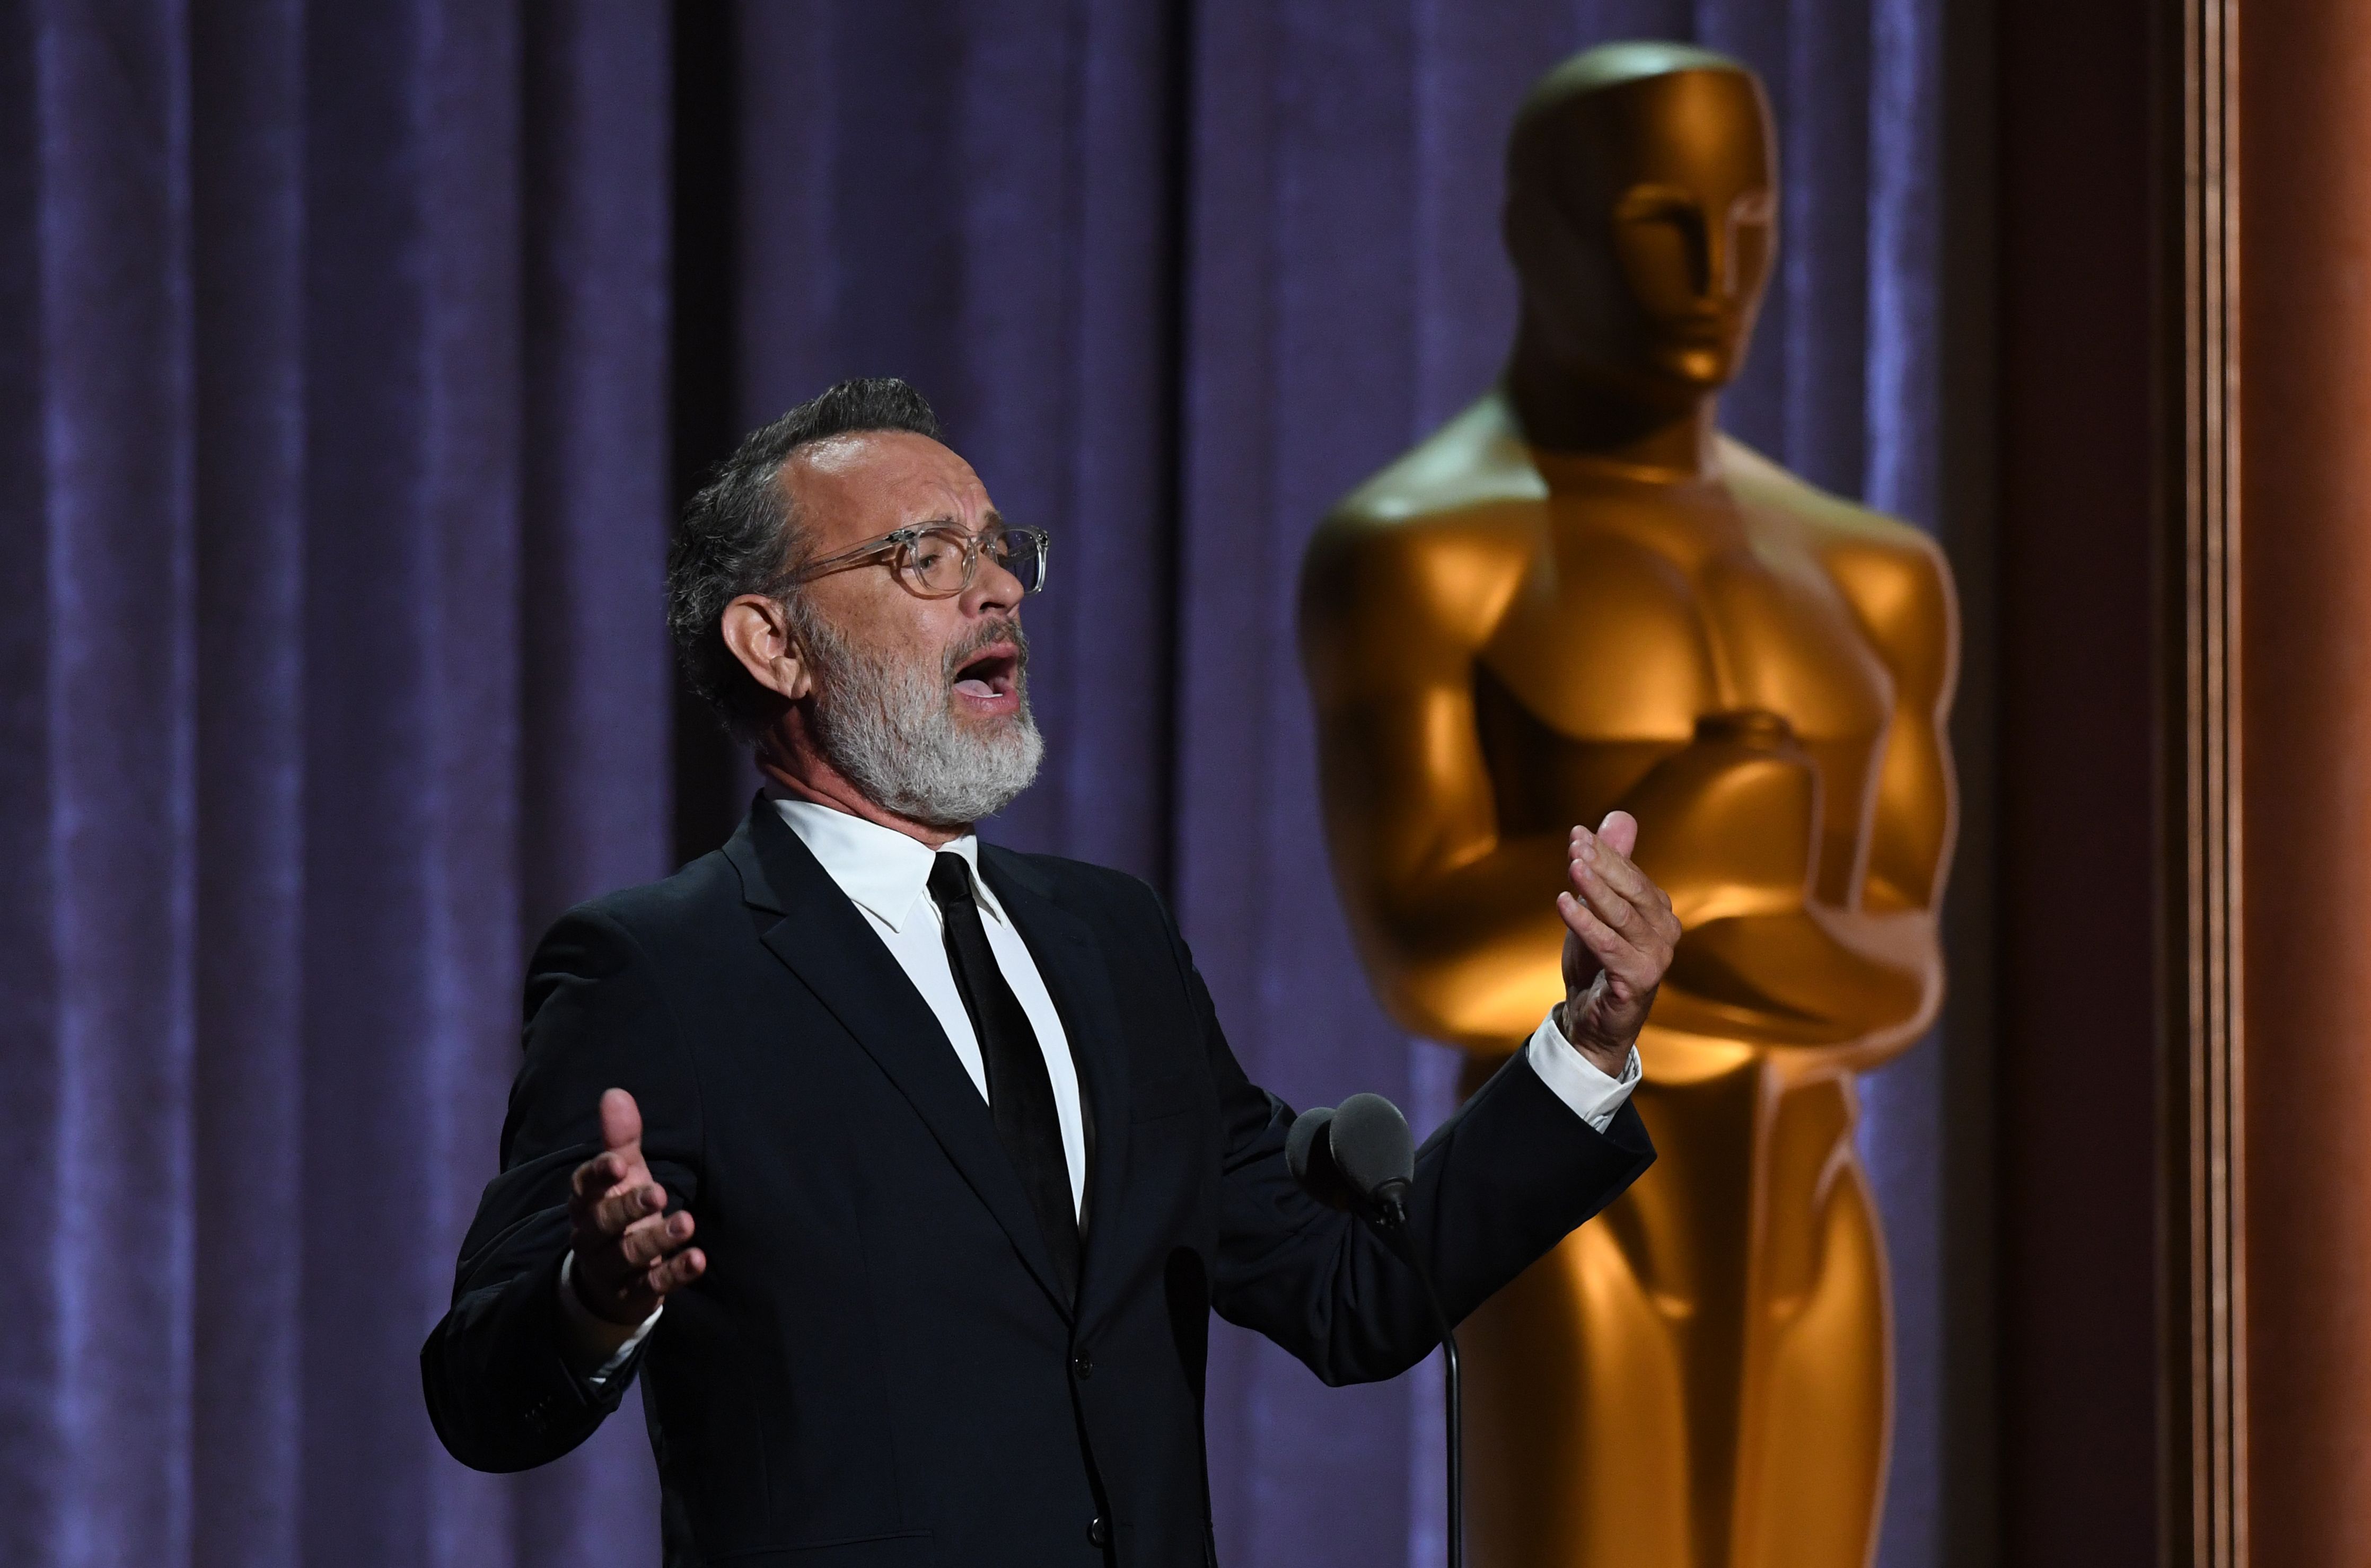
(1309, 1155)
(1361, 1158)
(1376, 1155)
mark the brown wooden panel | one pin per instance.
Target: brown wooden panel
(2306, 323)
(2076, 1056)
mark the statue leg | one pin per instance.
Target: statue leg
(1603, 1386)
(1575, 1441)
(1820, 1400)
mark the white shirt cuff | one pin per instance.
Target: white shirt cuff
(1573, 1078)
(591, 1336)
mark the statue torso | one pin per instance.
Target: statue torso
(1680, 649)
(1646, 607)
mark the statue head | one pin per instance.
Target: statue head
(1641, 214)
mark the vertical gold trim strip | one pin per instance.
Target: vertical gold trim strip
(2215, 1121)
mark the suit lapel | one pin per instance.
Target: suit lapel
(826, 941)
(1072, 965)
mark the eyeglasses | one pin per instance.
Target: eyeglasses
(941, 559)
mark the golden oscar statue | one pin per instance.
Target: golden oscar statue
(1576, 595)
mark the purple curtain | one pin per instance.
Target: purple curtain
(352, 359)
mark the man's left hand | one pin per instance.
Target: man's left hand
(1619, 938)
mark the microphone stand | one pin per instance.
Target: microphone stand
(1392, 1218)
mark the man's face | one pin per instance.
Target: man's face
(853, 488)
(920, 699)
(1641, 219)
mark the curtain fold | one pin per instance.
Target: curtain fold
(106, 752)
(343, 367)
(246, 70)
(337, 427)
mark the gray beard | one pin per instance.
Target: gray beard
(890, 727)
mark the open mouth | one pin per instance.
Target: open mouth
(992, 675)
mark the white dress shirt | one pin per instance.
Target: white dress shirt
(887, 875)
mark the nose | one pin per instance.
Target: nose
(993, 589)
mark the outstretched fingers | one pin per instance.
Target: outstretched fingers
(1599, 938)
(1622, 960)
(1615, 876)
(614, 1188)
(1620, 918)
(647, 1240)
(622, 1209)
(676, 1271)
(1629, 928)
(1623, 896)
(610, 1191)
(630, 1251)
(595, 1176)
(1589, 886)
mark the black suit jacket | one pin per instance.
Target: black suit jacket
(876, 1368)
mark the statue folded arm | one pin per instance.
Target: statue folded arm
(1457, 923)
(1902, 593)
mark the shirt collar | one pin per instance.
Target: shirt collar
(882, 870)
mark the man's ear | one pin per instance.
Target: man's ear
(757, 631)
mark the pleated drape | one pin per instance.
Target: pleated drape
(345, 350)
(335, 433)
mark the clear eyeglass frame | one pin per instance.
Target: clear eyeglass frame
(938, 560)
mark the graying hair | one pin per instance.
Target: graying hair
(741, 534)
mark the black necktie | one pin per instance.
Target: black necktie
(1020, 1091)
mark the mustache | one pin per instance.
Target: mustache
(986, 635)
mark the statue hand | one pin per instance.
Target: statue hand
(1620, 934)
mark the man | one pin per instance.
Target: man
(905, 1171)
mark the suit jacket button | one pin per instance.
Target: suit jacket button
(1082, 1364)
(1098, 1532)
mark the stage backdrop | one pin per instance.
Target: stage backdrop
(352, 359)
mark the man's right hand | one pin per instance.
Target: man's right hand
(630, 1251)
